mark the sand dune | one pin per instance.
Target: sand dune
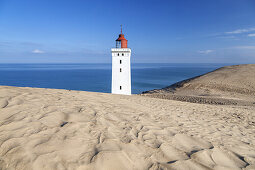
(61, 129)
(231, 85)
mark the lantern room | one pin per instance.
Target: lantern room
(121, 42)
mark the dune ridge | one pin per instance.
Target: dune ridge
(63, 129)
(230, 85)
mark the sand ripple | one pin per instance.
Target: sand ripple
(61, 129)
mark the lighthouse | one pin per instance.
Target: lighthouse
(121, 73)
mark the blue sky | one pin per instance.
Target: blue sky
(170, 31)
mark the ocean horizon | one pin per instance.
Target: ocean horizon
(96, 77)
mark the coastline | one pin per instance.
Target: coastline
(229, 85)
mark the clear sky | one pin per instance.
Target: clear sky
(158, 31)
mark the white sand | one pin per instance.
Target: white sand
(61, 129)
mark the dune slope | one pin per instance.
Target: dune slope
(232, 85)
(61, 129)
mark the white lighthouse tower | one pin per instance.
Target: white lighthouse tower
(121, 73)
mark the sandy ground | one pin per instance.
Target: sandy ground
(230, 85)
(60, 129)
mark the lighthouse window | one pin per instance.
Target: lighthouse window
(122, 54)
(118, 54)
(120, 70)
(120, 61)
(120, 87)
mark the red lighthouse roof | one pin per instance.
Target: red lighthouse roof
(121, 40)
(121, 37)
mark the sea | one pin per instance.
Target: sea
(97, 77)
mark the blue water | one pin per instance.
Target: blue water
(97, 77)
